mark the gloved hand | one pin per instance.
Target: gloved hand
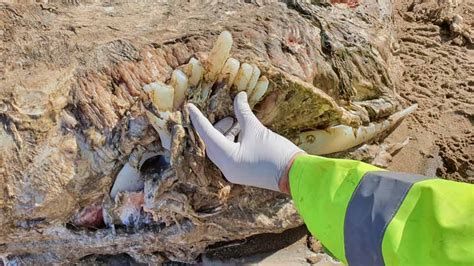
(260, 157)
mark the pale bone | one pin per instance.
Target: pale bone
(160, 125)
(243, 77)
(341, 137)
(161, 95)
(230, 70)
(259, 91)
(218, 56)
(253, 80)
(195, 72)
(179, 82)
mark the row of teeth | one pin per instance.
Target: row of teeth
(219, 67)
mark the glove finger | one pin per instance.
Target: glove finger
(215, 142)
(224, 125)
(244, 114)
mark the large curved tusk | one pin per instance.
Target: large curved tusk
(340, 138)
(128, 179)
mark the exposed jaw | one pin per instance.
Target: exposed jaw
(91, 126)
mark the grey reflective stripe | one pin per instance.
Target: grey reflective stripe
(371, 208)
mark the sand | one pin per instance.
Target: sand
(438, 75)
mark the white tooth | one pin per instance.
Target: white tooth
(243, 76)
(179, 82)
(195, 72)
(260, 89)
(161, 95)
(253, 80)
(218, 55)
(230, 70)
(342, 137)
(160, 125)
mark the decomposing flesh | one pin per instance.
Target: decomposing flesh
(98, 155)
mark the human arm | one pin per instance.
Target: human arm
(363, 215)
(366, 216)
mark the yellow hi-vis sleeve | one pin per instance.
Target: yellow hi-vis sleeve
(366, 216)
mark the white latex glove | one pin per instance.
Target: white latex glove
(260, 157)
